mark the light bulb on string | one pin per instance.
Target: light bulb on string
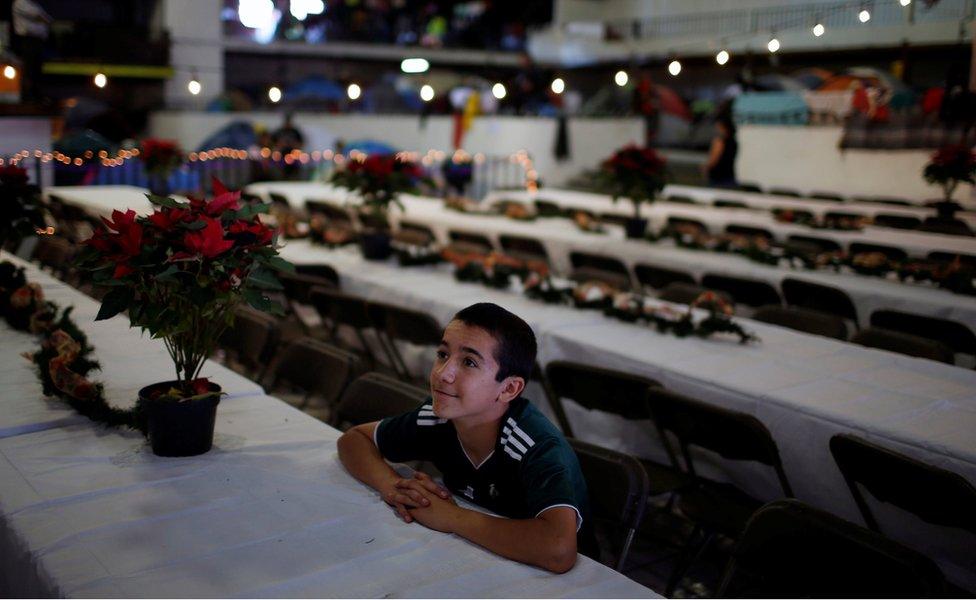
(818, 29)
(773, 45)
(674, 67)
(558, 86)
(722, 57)
(274, 94)
(354, 91)
(426, 93)
(194, 86)
(864, 16)
(904, 2)
(621, 78)
(9, 72)
(498, 90)
(100, 79)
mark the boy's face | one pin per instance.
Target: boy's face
(462, 380)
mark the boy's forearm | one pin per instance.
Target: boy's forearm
(363, 460)
(532, 541)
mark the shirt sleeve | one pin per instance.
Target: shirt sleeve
(550, 480)
(407, 436)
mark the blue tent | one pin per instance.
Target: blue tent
(370, 147)
(317, 87)
(236, 134)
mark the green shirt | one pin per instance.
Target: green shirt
(531, 469)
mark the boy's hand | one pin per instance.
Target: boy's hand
(437, 511)
(403, 496)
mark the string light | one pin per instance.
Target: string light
(9, 72)
(558, 85)
(426, 93)
(722, 57)
(414, 65)
(621, 78)
(674, 67)
(864, 16)
(904, 2)
(498, 90)
(194, 87)
(274, 94)
(100, 79)
(773, 45)
(818, 29)
(354, 91)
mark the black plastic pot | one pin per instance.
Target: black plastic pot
(635, 228)
(375, 245)
(179, 427)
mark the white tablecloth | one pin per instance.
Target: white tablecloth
(561, 237)
(269, 512)
(103, 199)
(129, 361)
(804, 389)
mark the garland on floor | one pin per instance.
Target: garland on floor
(65, 358)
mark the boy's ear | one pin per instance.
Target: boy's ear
(511, 389)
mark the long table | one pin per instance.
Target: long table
(269, 512)
(561, 237)
(803, 388)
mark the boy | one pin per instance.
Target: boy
(492, 446)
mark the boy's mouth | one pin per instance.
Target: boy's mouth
(443, 393)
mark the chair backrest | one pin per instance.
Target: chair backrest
(750, 187)
(789, 549)
(879, 200)
(340, 308)
(749, 231)
(680, 292)
(321, 271)
(681, 223)
(904, 343)
(896, 221)
(54, 252)
(617, 219)
(279, 199)
(815, 296)
(298, 287)
(802, 319)
(946, 226)
(373, 221)
(828, 196)
(594, 388)
(809, 243)
(413, 326)
(315, 367)
(375, 396)
(750, 292)
(659, 277)
(678, 199)
(932, 494)
(618, 487)
(967, 260)
(252, 337)
(422, 235)
(781, 191)
(951, 333)
(472, 238)
(332, 212)
(548, 208)
(728, 203)
(891, 252)
(602, 268)
(523, 247)
(731, 434)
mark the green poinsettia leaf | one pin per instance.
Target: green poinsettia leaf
(164, 201)
(279, 264)
(114, 302)
(264, 279)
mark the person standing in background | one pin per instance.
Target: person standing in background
(720, 166)
(31, 24)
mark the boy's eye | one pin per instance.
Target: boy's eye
(470, 362)
(441, 354)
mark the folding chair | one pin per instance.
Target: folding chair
(946, 226)
(828, 196)
(470, 241)
(56, 253)
(616, 219)
(321, 271)
(375, 396)
(966, 260)
(331, 211)
(612, 392)
(749, 187)
(791, 550)
(749, 231)
(728, 203)
(279, 199)
(338, 309)
(896, 221)
(782, 191)
(750, 292)
(420, 235)
(822, 298)
(251, 340)
(811, 244)
(675, 224)
(882, 200)
(395, 324)
(677, 199)
(714, 508)
(904, 343)
(802, 319)
(686, 293)
(659, 277)
(524, 248)
(893, 253)
(318, 369)
(598, 267)
(618, 487)
(548, 208)
(953, 334)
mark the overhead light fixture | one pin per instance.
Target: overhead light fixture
(722, 57)
(9, 72)
(274, 94)
(302, 8)
(904, 2)
(558, 86)
(426, 93)
(414, 65)
(773, 45)
(354, 91)
(194, 86)
(498, 90)
(818, 29)
(864, 16)
(255, 14)
(621, 78)
(100, 79)
(674, 67)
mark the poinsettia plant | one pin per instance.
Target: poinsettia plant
(180, 272)
(950, 166)
(379, 179)
(638, 174)
(20, 207)
(160, 157)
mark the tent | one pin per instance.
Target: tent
(236, 134)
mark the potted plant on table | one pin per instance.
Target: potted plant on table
(638, 174)
(180, 272)
(379, 179)
(160, 158)
(950, 166)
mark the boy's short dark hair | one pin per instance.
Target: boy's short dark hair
(516, 348)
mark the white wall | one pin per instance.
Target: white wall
(810, 159)
(195, 49)
(591, 140)
(28, 133)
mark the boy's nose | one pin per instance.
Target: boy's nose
(447, 372)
